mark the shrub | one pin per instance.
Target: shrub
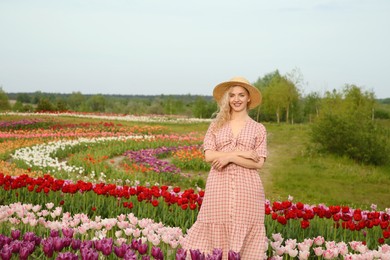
(363, 140)
(345, 127)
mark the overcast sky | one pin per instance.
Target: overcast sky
(153, 47)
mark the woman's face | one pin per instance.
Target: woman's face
(238, 98)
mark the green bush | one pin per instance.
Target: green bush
(361, 140)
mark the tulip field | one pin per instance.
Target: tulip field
(89, 186)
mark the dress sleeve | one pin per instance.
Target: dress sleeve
(209, 139)
(261, 142)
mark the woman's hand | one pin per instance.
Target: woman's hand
(219, 163)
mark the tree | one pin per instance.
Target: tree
(290, 98)
(23, 98)
(311, 105)
(96, 103)
(61, 105)
(44, 105)
(75, 100)
(156, 107)
(37, 96)
(172, 105)
(203, 108)
(4, 102)
(20, 107)
(262, 84)
(279, 96)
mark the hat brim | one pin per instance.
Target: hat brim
(254, 93)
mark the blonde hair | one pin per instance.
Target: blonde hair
(222, 115)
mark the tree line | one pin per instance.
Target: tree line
(283, 101)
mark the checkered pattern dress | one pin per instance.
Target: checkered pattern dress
(232, 212)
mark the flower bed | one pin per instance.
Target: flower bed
(79, 203)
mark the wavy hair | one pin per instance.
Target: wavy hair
(222, 115)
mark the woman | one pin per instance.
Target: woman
(232, 212)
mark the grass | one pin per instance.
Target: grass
(309, 177)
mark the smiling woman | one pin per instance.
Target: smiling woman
(236, 147)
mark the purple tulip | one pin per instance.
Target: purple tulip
(130, 255)
(107, 248)
(68, 232)
(37, 240)
(98, 245)
(76, 243)
(145, 257)
(29, 236)
(157, 253)
(142, 248)
(212, 257)
(195, 254)
(15, 234)
(29, 245)
(181, 254)
(88, 253)
(217, 253)
(15, 245)
(6, 252)
(54, 233)
(67, 256)
(135, 243)
(233, 255)
(58, 244)
(4, 240)
(86, 244)
(120, 251)
(47, 247)
(24, 253)
(67, 241)
(149, 157)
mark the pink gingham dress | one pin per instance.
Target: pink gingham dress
(232, 212)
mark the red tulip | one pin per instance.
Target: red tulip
(305, 224)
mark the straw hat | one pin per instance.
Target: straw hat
(254, 93)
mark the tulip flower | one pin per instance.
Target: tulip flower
(54, 233)
(217, 254)
(67, 256)
(29, 236)
(142, 248)
(24, 252)
(120, 251)
(15, 246)
(181, 254)
(233, 255)
(6, 252)
(130, 255)
(47, 247)
(135, 243)
(89, 253)
(196, 254)
(76, 243)
(68, 232)
(15, 234)
(4, 240)
(157, 253)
